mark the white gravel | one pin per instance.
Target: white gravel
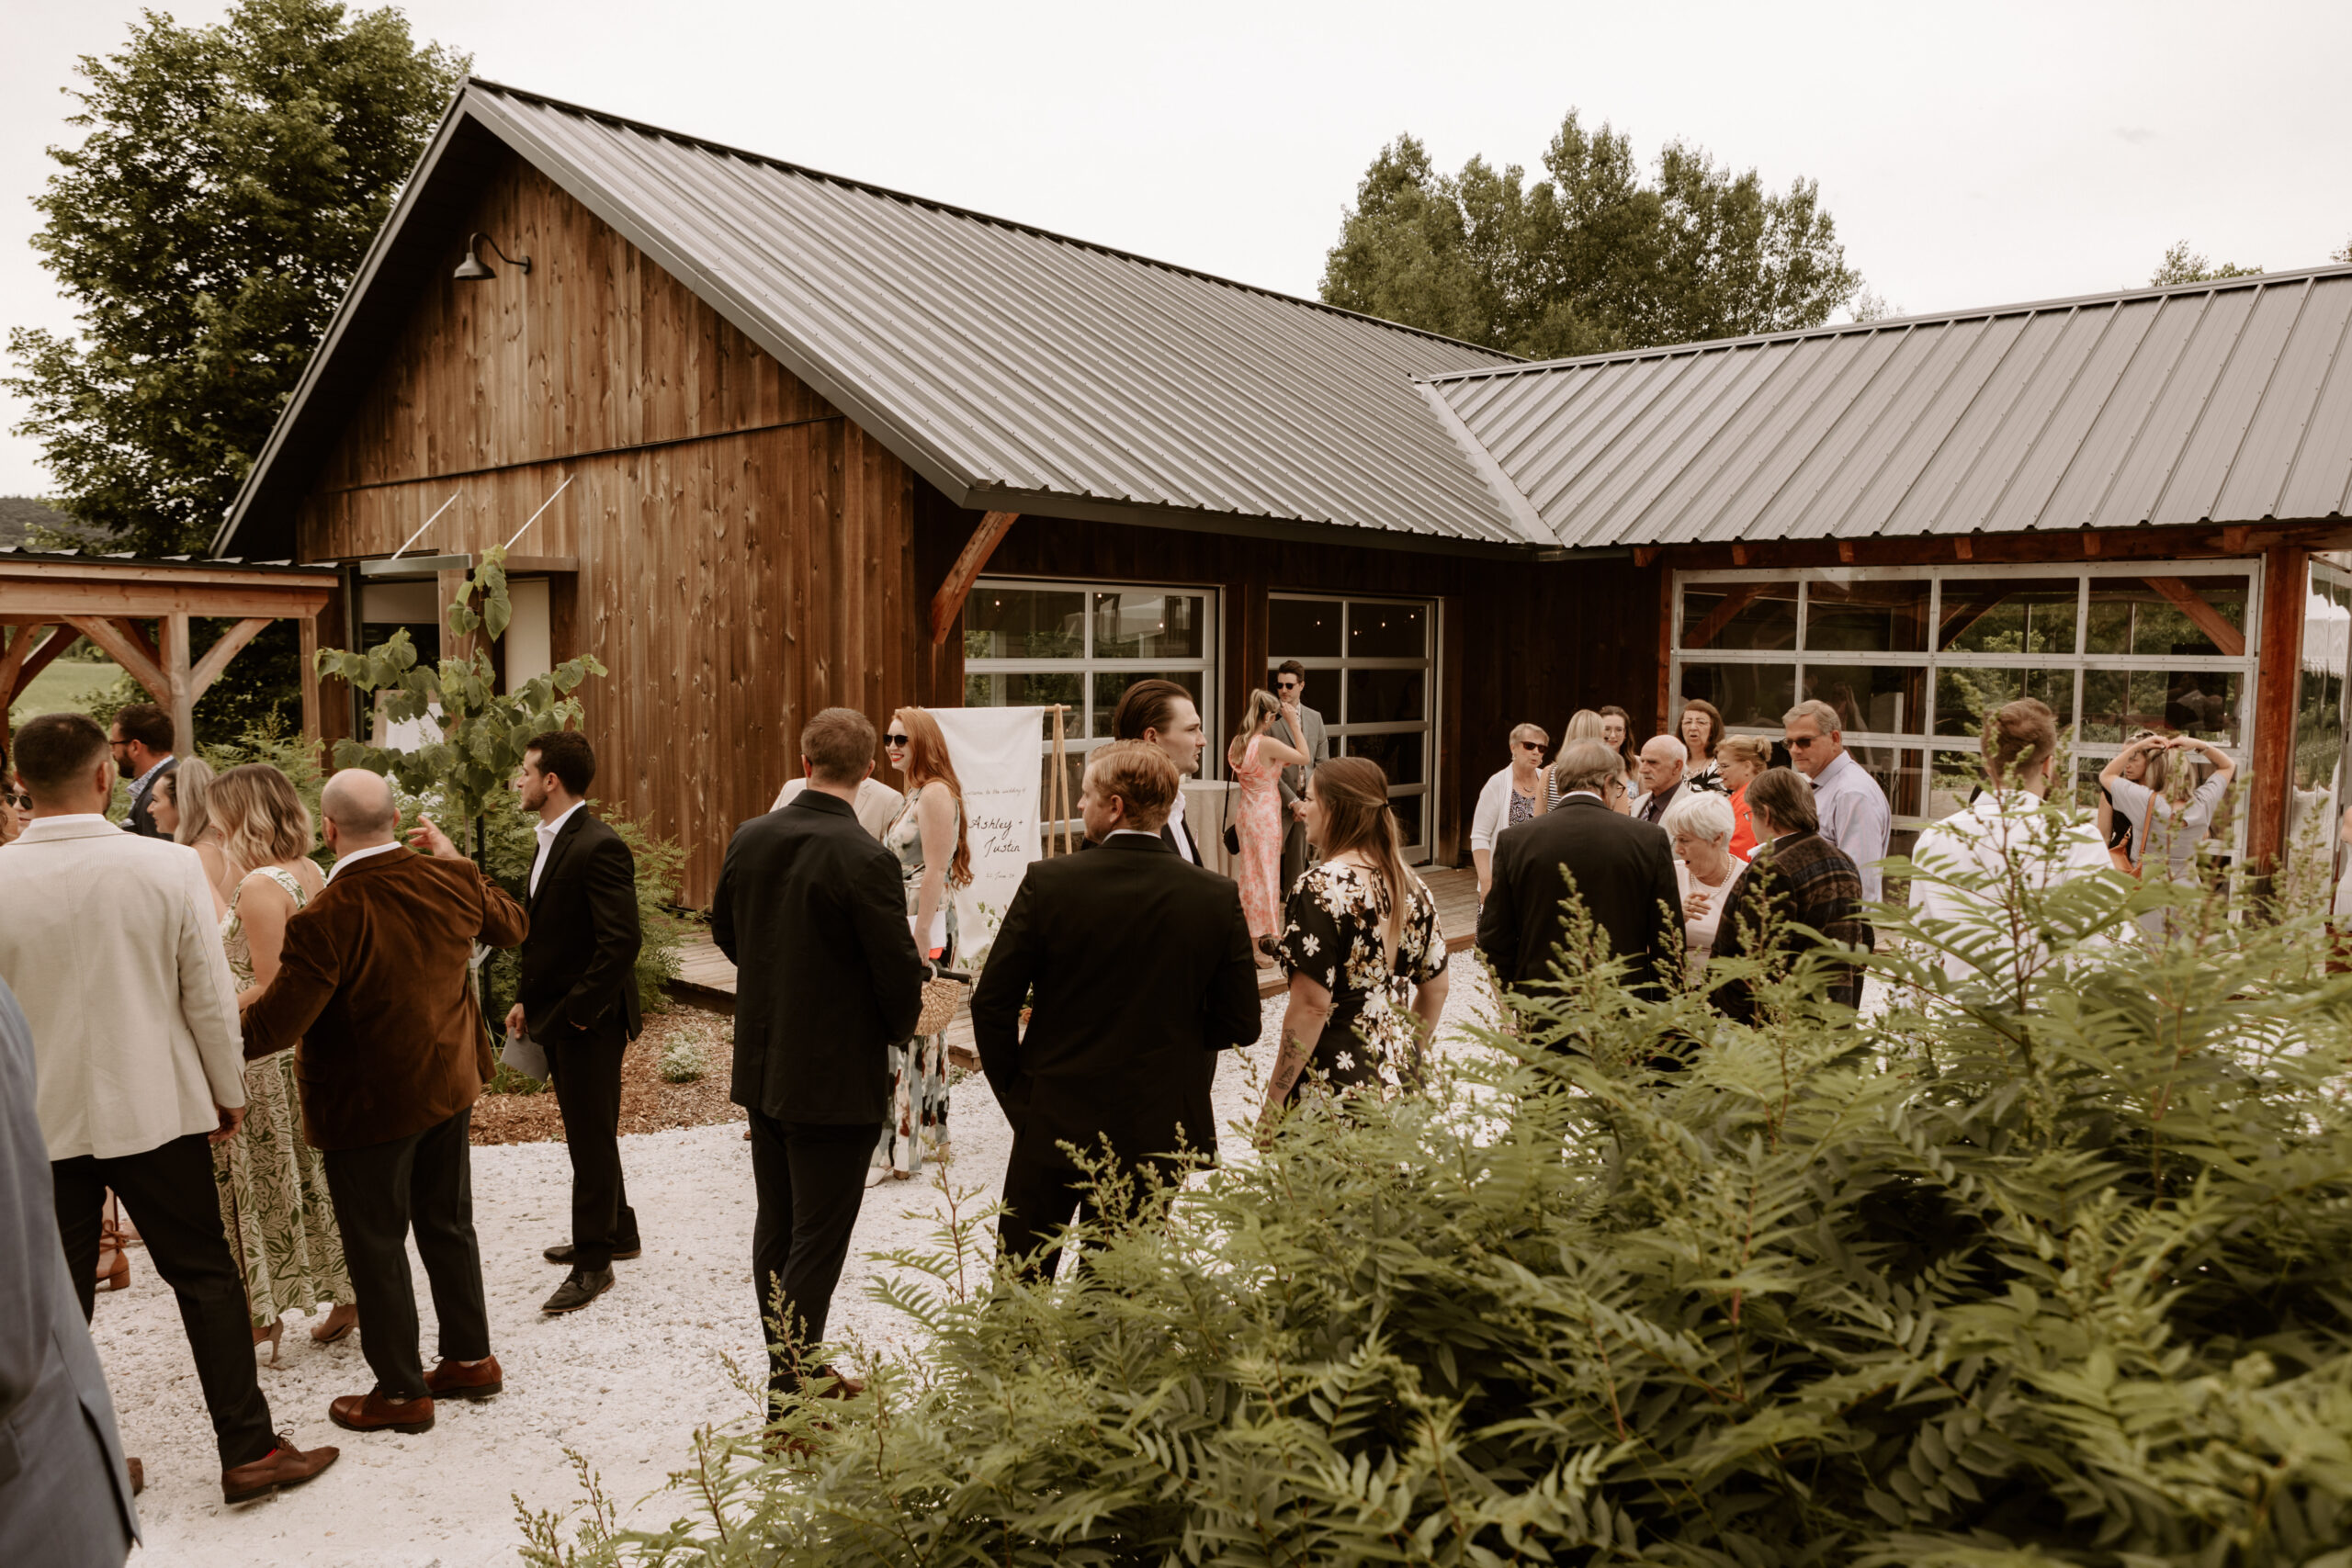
(625, 1382)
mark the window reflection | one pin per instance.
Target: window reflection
(1748, 695)
(2153, 617)
(1887, 698)
(1741, 615)
(1024, 622)
(1965, 695)
(1867, 617)
(2007, 616)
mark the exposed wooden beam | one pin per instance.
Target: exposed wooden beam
(2278, 673)
(131, 655)
(948, 603)
(1966, 613)
(175, 629)
(1965, 547)
(2225, 636)
(150, 600)
(2072, 545)
(225, 647)
(1644, 554)
(1739, 599)
(1846, 552)
(27, 656)
(139, 640)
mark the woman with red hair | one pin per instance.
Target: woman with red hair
(935, 858)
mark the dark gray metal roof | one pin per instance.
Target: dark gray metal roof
(1016, 369)
(2218, 402)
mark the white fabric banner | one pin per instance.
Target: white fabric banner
(996, 753)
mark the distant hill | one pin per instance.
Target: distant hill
(19, 514)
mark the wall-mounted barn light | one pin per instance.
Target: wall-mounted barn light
(473, 267)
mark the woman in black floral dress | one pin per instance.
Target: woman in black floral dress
(1361, 947)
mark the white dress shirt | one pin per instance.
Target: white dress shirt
(547, 832)
(357, 855)
(1184, 845)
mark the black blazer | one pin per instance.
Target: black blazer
(142, 819)
(1168, 838)
(579, 980)
(1141, 969)
(812, 910)
(1624, 873)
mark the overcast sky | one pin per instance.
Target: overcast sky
(1979, 154)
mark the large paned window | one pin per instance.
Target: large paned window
(1034, 643)
(1371, 665)
(2315, 854)
(1915, 657)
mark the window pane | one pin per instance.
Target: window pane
(1867, 617)
(1302, 628)
(1963, 698)
(2202, 702)
(1957, 777)
(1740, 615)
(2007, 614)
(1888, 698)
(1388, 631)
(1407, 808)
(1899, 774)
(1148, 625)
(1318, 689)
(1024, 622)
(1749, 696)
(1399, 756)
(1386, 697)
(1108, 683)
(1024, 691)
(2158, 615)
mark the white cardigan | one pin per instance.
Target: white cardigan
(112, 948)
(1493, 814)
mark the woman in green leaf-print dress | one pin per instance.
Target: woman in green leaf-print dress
(272, 1184)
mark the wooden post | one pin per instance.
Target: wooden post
(948, 603)
(2277, 673)
(178, 681)
(308, 656)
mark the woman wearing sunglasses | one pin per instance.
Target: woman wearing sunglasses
(934, 858)
(1513, 795)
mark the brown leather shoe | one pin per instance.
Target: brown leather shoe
(455, 1380)
(371, 1411)
(137, 1476)
(835, 1384)
(284, 1465)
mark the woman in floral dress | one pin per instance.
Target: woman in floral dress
(934, 858)
(1257, 760)
(273, 1202)
(1362, 949)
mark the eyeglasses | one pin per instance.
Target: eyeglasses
(1801, 742)
(21, 802)
(899, 741)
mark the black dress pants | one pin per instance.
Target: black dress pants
(1044, 1191)
(424, 1182)
(171, 1197)
(587, 1078)
(1294, 851)
(810, 1178)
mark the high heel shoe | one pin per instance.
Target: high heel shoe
(115, 1274)
(336, 1326)
(275, 1334)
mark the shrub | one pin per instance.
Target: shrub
(2047, 1265)
(687, 1057)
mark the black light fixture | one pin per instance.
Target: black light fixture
(473, 267)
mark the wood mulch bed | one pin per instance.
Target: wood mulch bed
(648, 1103)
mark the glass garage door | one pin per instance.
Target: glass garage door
(1370, 673)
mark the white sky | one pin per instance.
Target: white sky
(1971, 155)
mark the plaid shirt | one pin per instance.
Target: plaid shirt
(1801, 878)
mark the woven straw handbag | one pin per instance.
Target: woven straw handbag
(942, 995)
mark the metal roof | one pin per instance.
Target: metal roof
(2218, 402)
(1016, 369)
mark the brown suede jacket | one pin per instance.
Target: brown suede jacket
(374, 984)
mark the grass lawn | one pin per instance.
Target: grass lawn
(63, 685)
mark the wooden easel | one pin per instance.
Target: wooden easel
(1057, 792)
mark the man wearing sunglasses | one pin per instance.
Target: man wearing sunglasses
(1290, 686)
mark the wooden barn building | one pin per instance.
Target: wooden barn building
(811, 442)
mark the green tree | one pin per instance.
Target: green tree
(1590, 257)
(2182, 264)
(229, 182)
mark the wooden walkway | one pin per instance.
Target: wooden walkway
(707, 979)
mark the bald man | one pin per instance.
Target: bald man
(376, 991)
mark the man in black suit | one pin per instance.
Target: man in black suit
(140, 742)
(1142, 972)
(578, 999)
(813, 912)
(1624, 871)
(1162, 714)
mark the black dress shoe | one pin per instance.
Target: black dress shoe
(564, 1252)
(585, 1286)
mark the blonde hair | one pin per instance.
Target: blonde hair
(1140, 774)
(1753, 749)
(263, 820)
(1583, 724)
(191, 787)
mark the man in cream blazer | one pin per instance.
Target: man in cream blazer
(114, 951)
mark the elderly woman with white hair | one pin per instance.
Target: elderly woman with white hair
(1705, 870)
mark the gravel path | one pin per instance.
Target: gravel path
(625, 1382)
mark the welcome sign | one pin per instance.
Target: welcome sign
(997, 753)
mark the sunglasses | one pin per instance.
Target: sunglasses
(21, 802)
(900, 741)
(1528, 745)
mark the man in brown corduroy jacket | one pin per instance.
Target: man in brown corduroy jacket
(376, 984)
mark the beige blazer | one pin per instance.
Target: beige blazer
(877, 804)
(112, 947)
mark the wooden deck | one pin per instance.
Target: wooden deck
(707, 979)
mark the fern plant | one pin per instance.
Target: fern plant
(2049, 1260)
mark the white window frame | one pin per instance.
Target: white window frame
(2086, 758)
(1333, 667)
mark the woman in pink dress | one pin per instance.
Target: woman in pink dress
(1258, 760)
